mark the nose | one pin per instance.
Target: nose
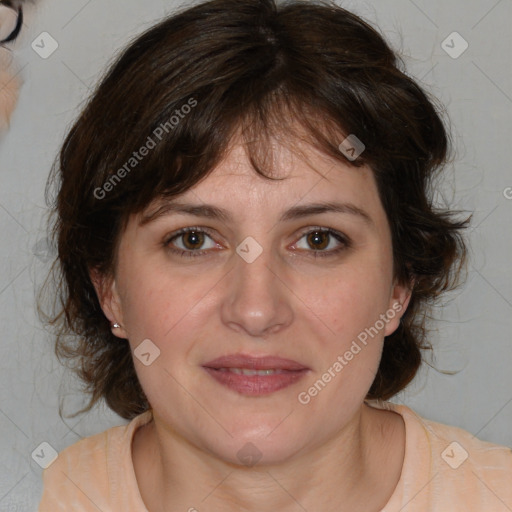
(257, 301)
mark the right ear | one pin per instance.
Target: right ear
(108, 298)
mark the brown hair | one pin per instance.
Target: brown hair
(258, 69)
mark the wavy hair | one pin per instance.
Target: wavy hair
(309, 70)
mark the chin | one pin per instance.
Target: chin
(257, 444)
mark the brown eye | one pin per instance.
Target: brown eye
(318, 240)
(190, 242)
(193, 240)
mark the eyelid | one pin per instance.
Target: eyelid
(183, 231)
(339, 236)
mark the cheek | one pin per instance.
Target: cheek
(164, 308)
(349, 300)
(157, 302)
(349, 353)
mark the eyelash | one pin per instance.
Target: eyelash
(343, 239)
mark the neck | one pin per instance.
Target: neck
(343, 474)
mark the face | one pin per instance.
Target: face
(270, 277)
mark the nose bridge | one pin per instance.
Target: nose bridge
(252, 269)
(256, 299)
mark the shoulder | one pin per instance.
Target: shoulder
(80, 478)
(457, 452)
(77, 478)
(464, 447)
(461, 470)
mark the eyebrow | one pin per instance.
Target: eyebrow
(214, 212)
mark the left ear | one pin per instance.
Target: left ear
(109, 300)
(398, 302)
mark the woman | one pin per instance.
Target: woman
(248, 248)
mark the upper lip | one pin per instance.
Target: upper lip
(255, 362)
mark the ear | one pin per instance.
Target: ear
(398, 302)
(108, 298)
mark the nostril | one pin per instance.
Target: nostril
(11, 21)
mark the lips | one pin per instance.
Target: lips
(253, 375)
(243, 361)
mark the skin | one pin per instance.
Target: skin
(326, 455)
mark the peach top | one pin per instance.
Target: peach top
(445, 469)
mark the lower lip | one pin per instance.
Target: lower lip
(254, 385)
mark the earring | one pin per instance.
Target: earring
(116, 325)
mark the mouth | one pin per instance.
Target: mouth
(248, 371)
(253, 376)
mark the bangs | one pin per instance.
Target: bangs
(304, 74)
(182, 150)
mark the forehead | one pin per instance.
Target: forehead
(300, 172)
(309, 183)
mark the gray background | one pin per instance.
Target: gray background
(473, 333)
